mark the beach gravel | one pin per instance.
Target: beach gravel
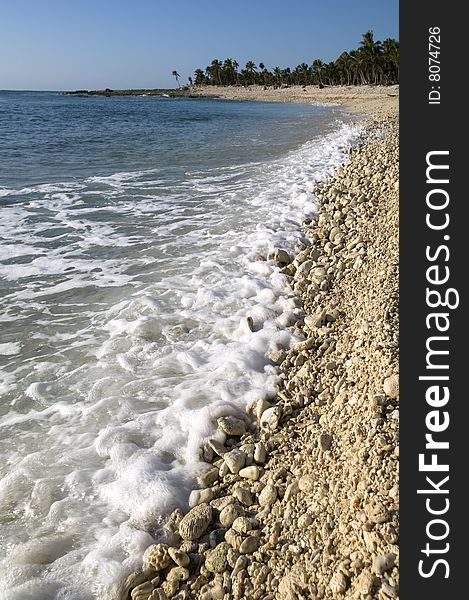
(304, 502)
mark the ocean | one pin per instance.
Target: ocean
(136, 238)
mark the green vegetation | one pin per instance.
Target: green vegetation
(375, 63)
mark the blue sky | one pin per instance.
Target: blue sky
(90, 44)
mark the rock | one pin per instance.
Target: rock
(243, 495)
(242, 525)
(324, 441)
(391, 386)
(178, 574)
(179, 557)
(216, 560)
(270, 418)
(199, 496)
(249, 545)
(216, 536)
(195, 523)
(142, 591)
(170, 587)
(305, 521)
(261, 406)
(217, 447)
(253, 472)
(282, 257)
(338, 583)
(383, 563)
(268, 495)
(315, 321)
(234, 539)
(230, 513)
(376, 511)
(231, 425)
(278, 356)
(216, 592)
(209, 477)
(306, 484)
(294, 584)
(365, 583)
(292, 490)
(158, 594)
(318, 275)
(221, 503)
(260, 453)
(235, 460)
(156, 556)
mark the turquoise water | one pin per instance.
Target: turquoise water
(130, 234)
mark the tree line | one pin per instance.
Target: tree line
(372, 63)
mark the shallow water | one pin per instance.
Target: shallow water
(131, 231)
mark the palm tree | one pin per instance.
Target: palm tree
(250, 70)
(176, 75)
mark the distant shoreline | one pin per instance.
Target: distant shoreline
(364, 99)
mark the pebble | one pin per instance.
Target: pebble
(230, 513)
(268, 495)
(177, 574)
(231, 425)
(270, 418)
(216, 560)
(198, 496)
(249, 545)
(391, 386)
(243, 495)
(195, 523)
(324, 441)
(253, 472)
(383, 563)
(217, 447)
(260, 453)
(179, 557)
(235, 460)
(306, 484)
(157, 556)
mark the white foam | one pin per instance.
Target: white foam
(160, 348)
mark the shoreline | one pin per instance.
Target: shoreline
(301, 501)
(371, 99)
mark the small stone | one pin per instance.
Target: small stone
(179, 557)
(249, 545)
(260, 453)
(235, 460)
(305, 520)
(198, 496)
(338, 583)
(158, 594)
(195, 523)
(261, 406)
(209, 476)
(216, 536)
(306, 484)
(315, 321)
(231, 425)
(253, 472)
(324, 441)
(142, 591)
(270, 418)
(170, 587)
(282, 257)
(365, 583)
(376, 511)
(234, 539)
(391, 386)
(278, 356)
(292, 490)
(268, 495)
(216, 560)
(221, 503)
(230, 513)
(383, 563)
(243, 495)
(178, 574)
(318, 275)
(156, 556)
(242, 525)
(217, 447)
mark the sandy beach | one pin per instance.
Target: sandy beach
(377, 100)
(301, 502)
